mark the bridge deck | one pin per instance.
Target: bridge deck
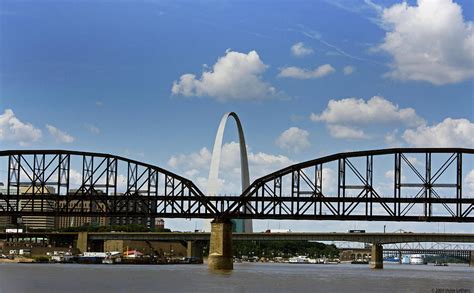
(382, 238)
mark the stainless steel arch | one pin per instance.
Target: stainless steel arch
(213, 180)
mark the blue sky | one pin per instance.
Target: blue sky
(150, 80)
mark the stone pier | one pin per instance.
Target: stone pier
(194, 249)
(81, 243)
(376, 260)
(471, 260)
(220, 247)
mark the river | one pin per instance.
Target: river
(246, 277)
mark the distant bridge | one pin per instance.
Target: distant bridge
(392, 242)
(426, 187)
(379, 238)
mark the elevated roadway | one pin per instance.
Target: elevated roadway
(379, 238)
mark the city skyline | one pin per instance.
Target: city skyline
(303, 83)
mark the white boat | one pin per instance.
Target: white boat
(312, 260)
(298, 259)
(417, 259)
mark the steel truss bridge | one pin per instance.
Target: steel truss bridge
(461, 251)
(427, 184)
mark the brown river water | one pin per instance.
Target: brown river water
(246, 277)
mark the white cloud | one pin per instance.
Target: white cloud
(75, 178)
(341, 131)
(299, 50)
(329, 180)
(59, 135)
(449, 133)
(235, 76)
(294, 139)
(357, 111)
(429, 42)
(197, 160)
(348, 70)
(301, 73)
(469, 180)
(196, 166)
(12, 129)
(391, 138)
(390, 175)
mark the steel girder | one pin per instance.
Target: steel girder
(427, 185)
(70, 183)
(345, 186)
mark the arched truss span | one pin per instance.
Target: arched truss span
(71, 183)
(424, 184)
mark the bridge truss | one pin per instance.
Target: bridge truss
(458, 250)
(425, 185)
(68, 183)
(461, 251)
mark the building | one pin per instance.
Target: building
(45, 222)
(83, 206)
(159, 223)
(32, 204)
(135, 206)
(4, 220)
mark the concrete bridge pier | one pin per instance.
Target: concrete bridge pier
(471, 260)
(82, 243)
(376, 260)
(220, 246)
(194, 249)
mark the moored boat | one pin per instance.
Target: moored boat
(298, 259)
(417, 259)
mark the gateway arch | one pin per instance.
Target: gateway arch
(240, 225)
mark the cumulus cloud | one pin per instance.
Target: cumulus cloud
(390, 175)
(75, 179)
(357, 111)
(13, 129)
(348, 70)
(197, 160)
(469, 180)
(301, 73)
(195, 166)
(448, 133)
(294, 139)
(299, 50)
(341, 131)
(391, 138)
(235, 76)
(59, 135)
(429, 42)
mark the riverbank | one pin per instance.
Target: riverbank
(17, 260)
